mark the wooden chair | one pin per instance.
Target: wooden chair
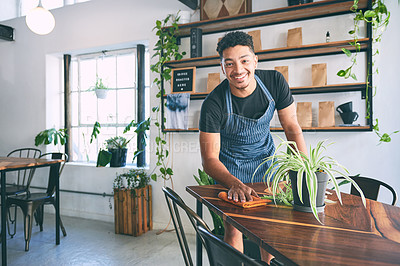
(30, 202)
(21, 183)
(370, 187)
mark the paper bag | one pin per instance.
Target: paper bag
(326, 114)
(294, 37)
(318, 72)
(304, 114)
(212, 81)
(256, 39)
(284, 70)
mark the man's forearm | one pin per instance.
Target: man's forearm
(215, 169)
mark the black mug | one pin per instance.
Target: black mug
(349, 117)
(345, 108)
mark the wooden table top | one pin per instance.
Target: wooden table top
(15, 163)
(351, 234)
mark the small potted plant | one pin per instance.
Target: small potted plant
(308, 175)
(117, 146)
(132, 203)
(99, 88)
(52, 135)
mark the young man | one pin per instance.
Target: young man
(235, 120)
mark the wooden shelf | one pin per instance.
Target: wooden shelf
(361, 86)
(318, 49)
(329, 129)
(273, 16)
(308, 129)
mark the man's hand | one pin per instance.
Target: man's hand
(241, 192)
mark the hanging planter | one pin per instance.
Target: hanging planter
(101, 93)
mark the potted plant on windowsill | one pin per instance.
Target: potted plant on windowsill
(132, 203)
(308, 174)
(116, 147)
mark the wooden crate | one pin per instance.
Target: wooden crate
(133, 211)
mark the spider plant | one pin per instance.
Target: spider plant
(306, 167)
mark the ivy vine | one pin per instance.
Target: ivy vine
(378, 17)
(166, 49)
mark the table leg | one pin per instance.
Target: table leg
(3, 220)
(199, 251)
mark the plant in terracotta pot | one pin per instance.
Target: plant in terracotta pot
(308, 174)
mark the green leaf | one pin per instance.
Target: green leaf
(346, 52)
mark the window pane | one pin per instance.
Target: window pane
(51, 4)
(107, 109)
(74, 109)
(126, 106)
(74, 74)
(88, 113)
(87, 74)
(106, 69)
(126, 66)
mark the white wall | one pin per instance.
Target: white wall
(29, 85)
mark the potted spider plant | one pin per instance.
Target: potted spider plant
(308, 174)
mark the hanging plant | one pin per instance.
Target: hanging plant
(378, 17)
(166, 49)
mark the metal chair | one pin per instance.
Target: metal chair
(30, 202)
(39, 213)
(221, 253)
(21, 183)
(173, 201)
(370, 187)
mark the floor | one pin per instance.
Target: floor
(90, 242)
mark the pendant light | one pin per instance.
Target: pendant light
(40, 20)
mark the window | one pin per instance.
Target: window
(118, 71)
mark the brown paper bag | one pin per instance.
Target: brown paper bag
(294, 37)
(284, 70)
(318, 72)
(256, 39)
(326, 114)
(212, 81)
(304, 114)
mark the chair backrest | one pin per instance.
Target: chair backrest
(51, 186)
(221, 253)
(370, 187)
(173, 202)
(24, 177)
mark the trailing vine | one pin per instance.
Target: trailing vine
(378, 17)
(166, 49)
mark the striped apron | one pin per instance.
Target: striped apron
(246, 142)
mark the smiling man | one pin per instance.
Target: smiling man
(235, 121)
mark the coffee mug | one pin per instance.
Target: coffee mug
(345, 108)
(349, 117)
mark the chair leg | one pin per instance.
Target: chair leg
(62, 228)
(11, 221)
(28, 222)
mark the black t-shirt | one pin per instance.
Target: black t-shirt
(214, 112)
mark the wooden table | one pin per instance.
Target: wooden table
(351, 234)
(8, 164)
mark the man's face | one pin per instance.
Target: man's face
(239, 64)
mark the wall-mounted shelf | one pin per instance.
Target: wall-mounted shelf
(308, 129)
(319, 9)
(318, 49)
(307, 89)
(273, 16)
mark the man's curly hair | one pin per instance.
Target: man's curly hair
(234, 38)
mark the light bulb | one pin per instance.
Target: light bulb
(40, 20)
